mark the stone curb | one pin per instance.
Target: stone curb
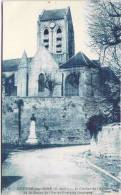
(100, 169)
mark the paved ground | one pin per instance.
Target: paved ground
(59, 170)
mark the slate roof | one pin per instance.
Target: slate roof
(55, 14)
(107, 75)
(12, 64)
(96, 62)
(79, 60)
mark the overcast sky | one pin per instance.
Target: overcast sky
(20, 25)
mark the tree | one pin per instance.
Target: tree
(50, 83)
(112, 93)
(94, 125)
(105, 31)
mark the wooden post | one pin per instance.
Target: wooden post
(62, 84)
(19, 104)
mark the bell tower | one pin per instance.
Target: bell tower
(56, 34)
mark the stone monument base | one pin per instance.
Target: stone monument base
(32, 139)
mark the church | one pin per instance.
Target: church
(64, 91)
(55, 70)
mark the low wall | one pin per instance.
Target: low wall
(109, 141)
(58, 120)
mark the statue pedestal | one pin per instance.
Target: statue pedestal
(32, 139)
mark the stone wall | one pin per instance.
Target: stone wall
(58, 120)
(109, 141)
(10, 132)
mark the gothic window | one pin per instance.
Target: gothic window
(9, 85)
(46, 32)
(46, 38)
(59, 41)
(59, 30)
(41, 83)
(72, 85)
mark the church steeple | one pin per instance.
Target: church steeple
(55, 33)
(24, 61)
(22, 89)
(24, 54)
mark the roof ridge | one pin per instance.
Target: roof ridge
(11, 59)
(56, 9)
(79, 52)
(15, 59)
(83, 56)
(68, 60)
(77, 60)
(53, 14)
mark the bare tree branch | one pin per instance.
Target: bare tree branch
(105, 30)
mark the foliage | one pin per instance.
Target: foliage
(50, 83)
(112, 92)
(94, 125)
(105, 31)
(20, 103)
(74, 79)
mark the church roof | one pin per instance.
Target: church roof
(55, 14)
(79, 60)
(108, 75)
(12, 64)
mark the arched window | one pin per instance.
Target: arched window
(72, 85)
(46, 38)
(9, 85)
(59, 41)
(41, 83)
(59, 30)
(46, 32)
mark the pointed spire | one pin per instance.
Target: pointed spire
(24, 60)
(24, 56)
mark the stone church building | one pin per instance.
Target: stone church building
(55, 69)
(61, 88)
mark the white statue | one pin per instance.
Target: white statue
(32, 139)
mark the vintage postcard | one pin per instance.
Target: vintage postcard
(61, 130)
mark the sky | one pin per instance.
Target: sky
(20, 25)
